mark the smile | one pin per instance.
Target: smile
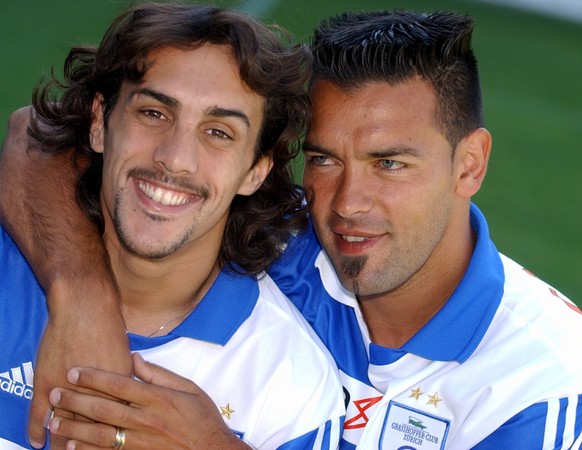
(165, 197)
(353, 238)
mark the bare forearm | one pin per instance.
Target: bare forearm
(38, 208)
(64, 248)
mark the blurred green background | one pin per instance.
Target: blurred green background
(531, 69)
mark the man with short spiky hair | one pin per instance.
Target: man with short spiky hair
(442, 342)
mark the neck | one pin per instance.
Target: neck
(395, 317)
(156, 293)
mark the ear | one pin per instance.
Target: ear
(97, 130)
(254, 179)
(472, 156)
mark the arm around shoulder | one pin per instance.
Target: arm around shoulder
(39, 210)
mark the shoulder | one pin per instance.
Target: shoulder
(538, 330)
(285, 320)
(538, 304)
(301, 372)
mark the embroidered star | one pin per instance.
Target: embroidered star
(226, 411)
(416, 393)
(434, 400)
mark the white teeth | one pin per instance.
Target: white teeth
(163, 196)
(353, 238)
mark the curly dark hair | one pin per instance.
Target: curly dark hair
(269, 63)
(395, 46)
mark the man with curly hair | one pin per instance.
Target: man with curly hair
(180, 125)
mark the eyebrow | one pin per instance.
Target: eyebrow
(309, 147)
(172, 102)
(394, 151)
(377, 154)
(156, 95)
(227, 112)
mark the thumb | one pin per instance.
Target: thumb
(157, 375)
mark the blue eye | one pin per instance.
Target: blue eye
(318, 160)
(389, 164)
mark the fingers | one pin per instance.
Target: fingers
(154, 374)
(123, 388)
(40, 414)
(96, 408)
(85, 435)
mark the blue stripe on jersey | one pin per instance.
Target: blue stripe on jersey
(578, 425)
(345, 445)
(524, 431)
(138, 343)
(561, 425)
(309, 440)
(325, 439)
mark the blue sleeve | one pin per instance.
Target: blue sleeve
(556, 424)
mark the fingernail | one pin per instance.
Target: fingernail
(73, 375)
(54, 398)
(54, 424)
(35, 444)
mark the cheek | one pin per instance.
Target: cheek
(317, 191)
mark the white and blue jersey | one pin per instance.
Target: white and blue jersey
(498, 367)
(245, 345)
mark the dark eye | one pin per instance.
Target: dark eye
(215, 132)
(153, 114)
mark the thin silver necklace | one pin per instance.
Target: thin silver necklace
(167, 323)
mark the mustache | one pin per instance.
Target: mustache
(178, 183)
(359, 223)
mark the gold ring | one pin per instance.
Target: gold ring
(119, 438)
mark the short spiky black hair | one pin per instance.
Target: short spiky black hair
(395, 46)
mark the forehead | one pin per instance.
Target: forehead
(374, 114)
(204, 76)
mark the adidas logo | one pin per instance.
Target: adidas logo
(18, 381)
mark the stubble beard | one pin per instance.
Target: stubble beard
(146, 251)
(155, 251)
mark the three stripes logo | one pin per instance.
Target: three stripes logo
(18, 381)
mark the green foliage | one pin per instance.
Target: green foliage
(531, 69)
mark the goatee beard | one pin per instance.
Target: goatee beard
(350, 269)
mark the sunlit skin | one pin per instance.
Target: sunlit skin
(177, 148)
(389, 200)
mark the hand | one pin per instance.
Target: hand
(162, 411)
(75, 336)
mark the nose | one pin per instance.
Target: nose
(352, 195)
(178, 151)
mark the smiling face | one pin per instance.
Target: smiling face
(383, 185)
(177, 148)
